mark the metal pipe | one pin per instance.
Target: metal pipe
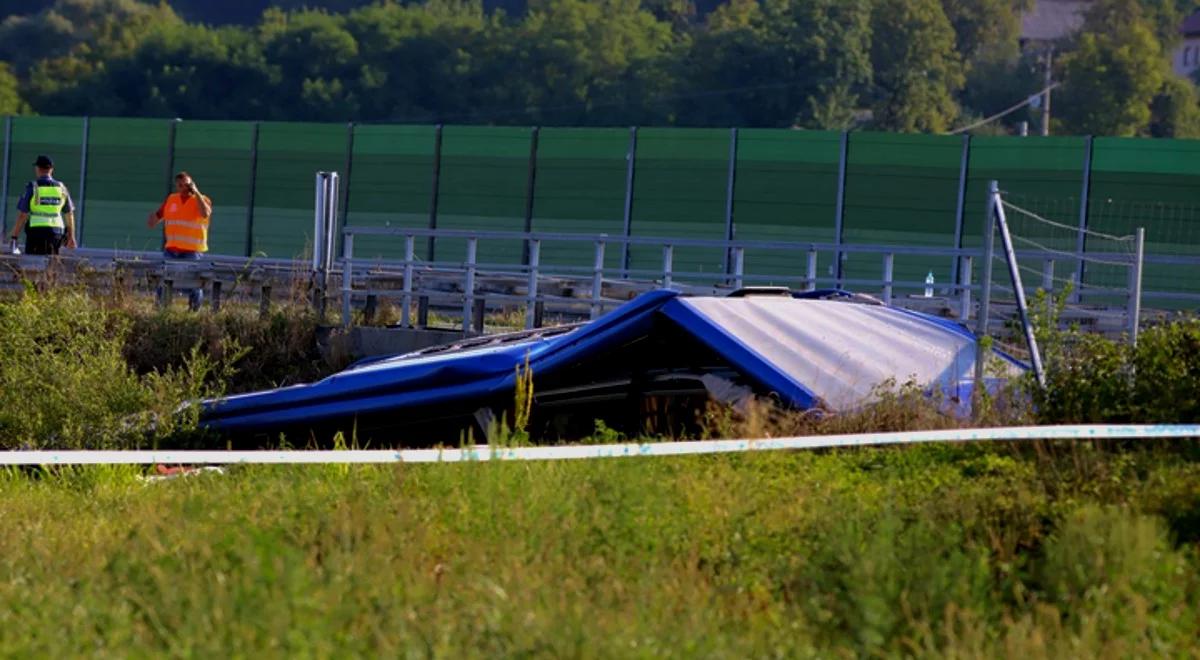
(985, 296)
(730, 182)
(347, 280)
(252, 189)
(1019, 290)
(889, 262)
(597, 279)
(1135, 284)
(739, 266)
(840, 209)
(530, 187)
(83, 168)
(964, 288)
(172, 127)
(431, 247)
(1048, 275)
(630, 168)
(344, 197)
(531, 293)
(469, 284)
(410, 248)
(1081, 238)
(960, 208)
(668, 256)
(810, 272)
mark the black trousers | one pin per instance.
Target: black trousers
(42, 241)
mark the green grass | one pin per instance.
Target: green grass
(1053, 550)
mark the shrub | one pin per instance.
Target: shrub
(64, 382)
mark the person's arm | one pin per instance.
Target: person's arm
(69, 219)
(155, 217)
(203, 200)
(22, 218)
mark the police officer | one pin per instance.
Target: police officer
(47, 208)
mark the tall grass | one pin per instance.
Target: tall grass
(933, 550)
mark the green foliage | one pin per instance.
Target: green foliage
(917, 69)
(64, 382)
(11, 102)
(942, 551)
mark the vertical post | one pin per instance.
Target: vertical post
(630, 168)
(730, 181)
(1048, 275)
(410, 245)
(985, 295)
(469, 284)
(1048, 80)
(739, 266)
(331, 214)
(960, 209)
(810, 272)
(530, 189)
(431, 249)
(1081, 237)
(1014, 274)
(534, 248)
(1135, 284)
(889, 262)
(1023, 129)
(344, 197)
(347, 279)
(597, 279)
(964, 288)
(172, 129)
(8, 121)
(83, 168)
(320, 189)
(840, 209)
(668, 255)
(253, 188)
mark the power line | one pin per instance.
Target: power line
(1007, 111)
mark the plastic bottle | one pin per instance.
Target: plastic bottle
(929, 285)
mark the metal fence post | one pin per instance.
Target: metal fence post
(347, 279)
(410, 245)
(431, 247)
(730, 183)
(1081, 238)
(344, 196)
(83, 168)
(1048, 275)
(253, 188)
(960, 210)
(1135, 284)
(840, 208)
(810, 272)
(985, 295)
(1014, 274)
(630, 168)
(172, 129)
(534, 247)
(889, 263)
(8, 121)
(597, 279)
(469, 284)
(530, 188)
(668, 257)
(964, 287)
(739, 266)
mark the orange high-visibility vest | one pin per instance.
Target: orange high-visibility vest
(185, 224)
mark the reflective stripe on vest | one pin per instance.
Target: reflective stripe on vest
(46, 205)
(184, 223)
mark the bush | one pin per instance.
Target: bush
(65, 384)
(1093, 379)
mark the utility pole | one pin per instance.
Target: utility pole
(1048, 82)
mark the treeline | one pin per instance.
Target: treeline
(901, 65)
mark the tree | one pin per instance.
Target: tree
(778, 63)
(985, 26)
(917, 69)
(11, 102)
(1114, 73)
(1175, 110)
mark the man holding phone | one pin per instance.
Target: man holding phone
(185, 218)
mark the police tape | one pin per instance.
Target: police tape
(579, 452)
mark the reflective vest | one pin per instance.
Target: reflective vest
(46, 205)
(185, 225)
